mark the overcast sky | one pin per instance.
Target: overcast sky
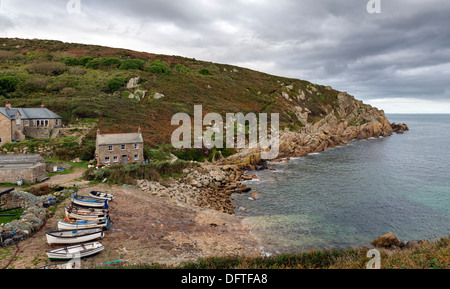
(397, 60)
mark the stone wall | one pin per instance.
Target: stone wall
(33, 174)
(40, 132)
(5, 129)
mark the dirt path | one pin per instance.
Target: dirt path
(147, 229)
(65, 180)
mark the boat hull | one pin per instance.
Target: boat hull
(86, 214)
(101, 196)
(77, 251)
(74, 237)
(83, 224)
(88, 202)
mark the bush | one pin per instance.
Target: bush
(158, 67)
(34, 85)
(204, 71)
(116, 84)
(70, 61)
(8, 84)
(132, 64)
(93, 64)
(48, 68)
(85, 59)
(111, 62)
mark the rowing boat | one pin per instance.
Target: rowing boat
(76, 251)
(74, 224)
(89, 202)
(81, 213)
(101, 196)
(74, 236)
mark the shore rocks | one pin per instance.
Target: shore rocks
(399, 128)
(209, 186)
(387, 241)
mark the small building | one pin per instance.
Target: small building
(17, 123)
(30, 168)
(121, 148)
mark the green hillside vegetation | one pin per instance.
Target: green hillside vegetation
(89, 82)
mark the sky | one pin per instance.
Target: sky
(397, 60)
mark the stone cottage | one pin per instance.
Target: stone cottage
(122, 148)
(30, 168)
(16, 123)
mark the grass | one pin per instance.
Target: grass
(6, 220)
(430, 255)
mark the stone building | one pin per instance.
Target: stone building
(122, 148)
(30, 168)
(16, 123)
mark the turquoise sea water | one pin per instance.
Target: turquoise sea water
(348, 196)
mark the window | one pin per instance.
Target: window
(42, 122)
(136, 146)
(136, 157)
(107, 160)
(110, 148)
(123, 147)
(27, 123)
(116, 159)
(0, 140)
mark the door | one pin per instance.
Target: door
(124, 160)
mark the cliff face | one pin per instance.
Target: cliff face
(347, 120)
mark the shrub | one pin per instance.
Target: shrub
(70, 61)
(93, 64)
(158, 67)
(182, 68)
(85, 59)
(8, 84)
(116, 84)
(48, 68)
(132, 64)
(111, 62)
(34, 84)
(204, 71)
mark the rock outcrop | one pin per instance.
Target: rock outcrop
(388, 241)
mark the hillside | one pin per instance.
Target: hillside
(90, 82)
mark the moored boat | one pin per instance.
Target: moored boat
(74, 224)
(81, 213)
(101, 195)
(76, 251)
(74, 236)
(89, 202)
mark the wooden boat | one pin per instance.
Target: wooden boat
(102, 196)
(89, 202)
(77, 251)
(81, 213)
(71, 265)
(74, 224)
(74, 236)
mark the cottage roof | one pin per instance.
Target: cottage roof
(20, 159)
(120, 138)
(29, 113)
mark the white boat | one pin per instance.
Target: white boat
(74, 236)
(77, 251)
(89, 202)
(74, 224)
(79, 213)
(101, 195)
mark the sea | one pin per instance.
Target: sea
(348, 196)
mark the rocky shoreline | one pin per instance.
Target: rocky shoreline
(211, 185)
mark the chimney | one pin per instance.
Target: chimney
(98, 132)
(8, 105)
(42, 105)
(139, 130)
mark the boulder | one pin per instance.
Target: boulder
(387, 241)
